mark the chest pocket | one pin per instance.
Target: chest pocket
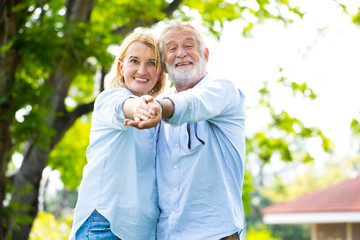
(196, 135)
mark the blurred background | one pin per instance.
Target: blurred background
(297, 62)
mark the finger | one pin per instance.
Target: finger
(148, 98)
(155, 110)
(140, 118)
(149, 123)
(153, 113)
(143, 114)
(132, 123)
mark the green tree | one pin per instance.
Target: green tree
(283, 137)
(50, 53)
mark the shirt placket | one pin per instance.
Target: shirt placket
(175, 187)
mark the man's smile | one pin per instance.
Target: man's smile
(183, 63)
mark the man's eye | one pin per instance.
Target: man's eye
(189, 46)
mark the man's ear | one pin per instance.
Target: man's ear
(206, 54)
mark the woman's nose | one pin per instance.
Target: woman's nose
(142, 69)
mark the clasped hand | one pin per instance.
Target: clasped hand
(147, 113)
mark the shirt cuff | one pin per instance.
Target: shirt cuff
(180, 105)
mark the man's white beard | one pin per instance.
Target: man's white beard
(185, 76)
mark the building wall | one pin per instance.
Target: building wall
(334, 231)
(356, 231)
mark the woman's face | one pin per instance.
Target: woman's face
(139, 69)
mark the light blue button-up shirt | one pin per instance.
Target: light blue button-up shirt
(200, 165)
(119, 178)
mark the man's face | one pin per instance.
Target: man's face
(184, 62)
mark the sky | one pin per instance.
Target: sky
(327, 60)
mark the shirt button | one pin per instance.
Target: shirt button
(174, 189)
(175, 166)
(173, 212)
(176, 145)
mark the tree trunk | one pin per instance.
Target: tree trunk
(6, 118)
(4, 159)
(26, 183)
(8, 65)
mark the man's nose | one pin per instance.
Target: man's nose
(181, 52)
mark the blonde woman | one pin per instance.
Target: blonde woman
(118, 195)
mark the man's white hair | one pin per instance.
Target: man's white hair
(181, 26)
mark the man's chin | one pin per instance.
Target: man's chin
(182, 75)
(181, 78)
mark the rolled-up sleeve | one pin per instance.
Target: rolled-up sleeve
(207, 100)
(108, 108)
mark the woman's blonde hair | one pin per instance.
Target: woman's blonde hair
(153, 43)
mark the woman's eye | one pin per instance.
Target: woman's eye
(152, 64)
(133, 61)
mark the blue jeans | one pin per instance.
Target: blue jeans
(95, 227)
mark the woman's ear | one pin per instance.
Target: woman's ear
(121, 70)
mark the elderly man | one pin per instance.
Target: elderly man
(201, 145)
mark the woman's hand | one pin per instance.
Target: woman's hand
(146, 113)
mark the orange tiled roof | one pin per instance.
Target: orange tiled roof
(341, 197)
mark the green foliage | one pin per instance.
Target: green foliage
(47, 227)
(258, 230)
(284, 135)
(355, 162)
(356, 18)
(291, 232)
(298, 88)
(215, 13)
(69, 156)
(33, 127)
(248, 188)
(261, 234)
(81, 90)
(16, 211)
(355, 127)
